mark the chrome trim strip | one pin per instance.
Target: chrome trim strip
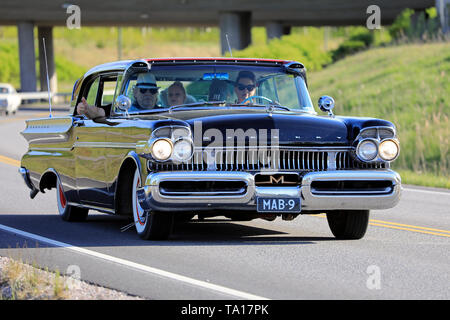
(49, 149)
(282, 148)
(105, 145)
(101, 209)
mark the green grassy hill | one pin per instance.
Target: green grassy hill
(408, 85)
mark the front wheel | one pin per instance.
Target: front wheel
(348, 224)
(66, 211)
(150, 225)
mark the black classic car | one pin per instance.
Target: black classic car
(229, 137)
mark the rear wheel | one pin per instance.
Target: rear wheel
(66, 211)
(348, 224)
(150, 225)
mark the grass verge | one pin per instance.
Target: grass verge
(407, 85)
(424, 179)
(19, 281)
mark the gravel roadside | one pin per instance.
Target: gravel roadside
(19, 281)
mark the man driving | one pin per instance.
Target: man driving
(145, 93)
(145, 96)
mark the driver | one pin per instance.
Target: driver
(245, 86)
(145, 93)
(145, 96)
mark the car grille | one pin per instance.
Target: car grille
(303, 160)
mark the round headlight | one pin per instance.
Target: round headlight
(182, 150)
(367, 150)
(388, 150)
(161, 149)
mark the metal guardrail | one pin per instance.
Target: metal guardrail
(43, 95)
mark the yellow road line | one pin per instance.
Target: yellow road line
(31, 116)
(408, 229)
(407, 225)
(399, 226)
(10, 161)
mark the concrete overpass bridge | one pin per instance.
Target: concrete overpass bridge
(234, 17)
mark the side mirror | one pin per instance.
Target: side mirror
(326, 104)
(123, 103)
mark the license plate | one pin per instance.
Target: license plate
(278, 204)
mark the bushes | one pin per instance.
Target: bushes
(9, 56)
(348, 47)
(305, 48)
(10, 69)
(359, 41)
(67, 70)
(409, 26)
(380, 83)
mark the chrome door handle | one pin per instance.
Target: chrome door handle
(78, 123)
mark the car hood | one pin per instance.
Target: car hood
(289, 128)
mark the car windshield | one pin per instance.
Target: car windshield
(3, 90)
(193, 86)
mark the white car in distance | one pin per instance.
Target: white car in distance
(9, 99)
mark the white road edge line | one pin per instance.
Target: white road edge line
(427, 191)
(159, 272)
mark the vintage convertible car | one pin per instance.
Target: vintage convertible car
(270, 155)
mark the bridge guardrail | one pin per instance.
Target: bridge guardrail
(41, 95)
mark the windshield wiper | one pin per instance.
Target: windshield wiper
(197, 104)
(271, 106)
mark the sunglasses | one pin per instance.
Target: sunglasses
(145, 90)
(249, 87)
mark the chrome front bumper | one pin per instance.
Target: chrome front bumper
(153, 197)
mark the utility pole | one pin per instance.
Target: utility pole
(325, 38)
(119, 42)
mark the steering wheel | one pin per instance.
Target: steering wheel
(258, 97)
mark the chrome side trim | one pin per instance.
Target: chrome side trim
(110, 145)
(101, 209)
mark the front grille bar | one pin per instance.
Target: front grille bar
(299, 160)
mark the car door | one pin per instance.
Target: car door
(90, 149)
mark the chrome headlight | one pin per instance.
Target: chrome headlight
(161, 149)
(367, 150)
(388, 150)
(182, 150)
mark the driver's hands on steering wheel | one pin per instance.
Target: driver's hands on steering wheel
(258, 97)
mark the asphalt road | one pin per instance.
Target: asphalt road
(404, 255)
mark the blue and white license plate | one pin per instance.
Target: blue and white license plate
(264, 204)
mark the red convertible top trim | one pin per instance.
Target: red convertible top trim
(219, 59)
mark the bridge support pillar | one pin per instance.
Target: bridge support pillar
(238, 27)
(47, 33)
(27, 57)
(443, 11)
(275, 29)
